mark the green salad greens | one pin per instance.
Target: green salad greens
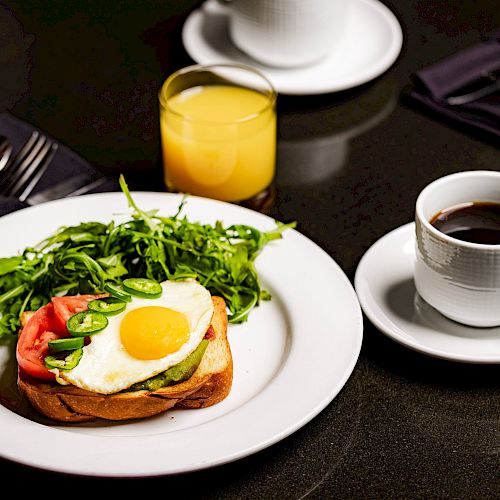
(81, 259)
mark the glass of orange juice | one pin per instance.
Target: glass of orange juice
(218, 131)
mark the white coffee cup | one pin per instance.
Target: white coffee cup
(287, 33)
(458, 278)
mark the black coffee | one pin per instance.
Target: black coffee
(476, 222)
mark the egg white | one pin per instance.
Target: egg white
(106, 367)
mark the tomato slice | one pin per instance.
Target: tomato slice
(32, 345)
(48, 323)
(64, 307)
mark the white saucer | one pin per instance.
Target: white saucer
(371, 44)
(385, 289)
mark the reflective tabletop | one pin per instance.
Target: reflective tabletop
(350, 165)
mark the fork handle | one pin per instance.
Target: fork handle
(474, 96)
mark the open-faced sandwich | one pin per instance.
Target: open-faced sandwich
(134, 352)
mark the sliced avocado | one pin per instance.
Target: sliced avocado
(175, 374)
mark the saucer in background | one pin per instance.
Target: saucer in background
(371, 44)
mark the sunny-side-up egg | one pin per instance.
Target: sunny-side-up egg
(148, 337)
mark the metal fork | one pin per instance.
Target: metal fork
(457, 100)
(5, 151)
(490, 84)
(22, 173)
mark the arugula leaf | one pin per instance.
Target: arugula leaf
(82, 258)
(9, 264)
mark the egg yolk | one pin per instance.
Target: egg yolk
(153, 332)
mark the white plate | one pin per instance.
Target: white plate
(291, 358)
(385, 288)
(371, 44)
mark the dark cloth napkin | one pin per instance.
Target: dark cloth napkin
(64, 165)
(455, 75)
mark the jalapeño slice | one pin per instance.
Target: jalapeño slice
(143, 287)
(117, 292)
(66, 344)
(86, 323)
(108, 305)
(64, 360)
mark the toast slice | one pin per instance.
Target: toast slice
(210, 383)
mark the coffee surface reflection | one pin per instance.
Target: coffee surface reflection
(475, 222)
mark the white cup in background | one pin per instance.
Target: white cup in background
(458, 278)
(287, 33)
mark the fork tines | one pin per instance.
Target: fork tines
(22, 173)
(5, 152)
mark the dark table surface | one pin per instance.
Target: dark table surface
(404, 425)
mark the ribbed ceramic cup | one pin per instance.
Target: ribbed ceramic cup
(287, 33)
(459, 279)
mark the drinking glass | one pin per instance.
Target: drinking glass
(218, 131)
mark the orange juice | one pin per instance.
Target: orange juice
(219, 141)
